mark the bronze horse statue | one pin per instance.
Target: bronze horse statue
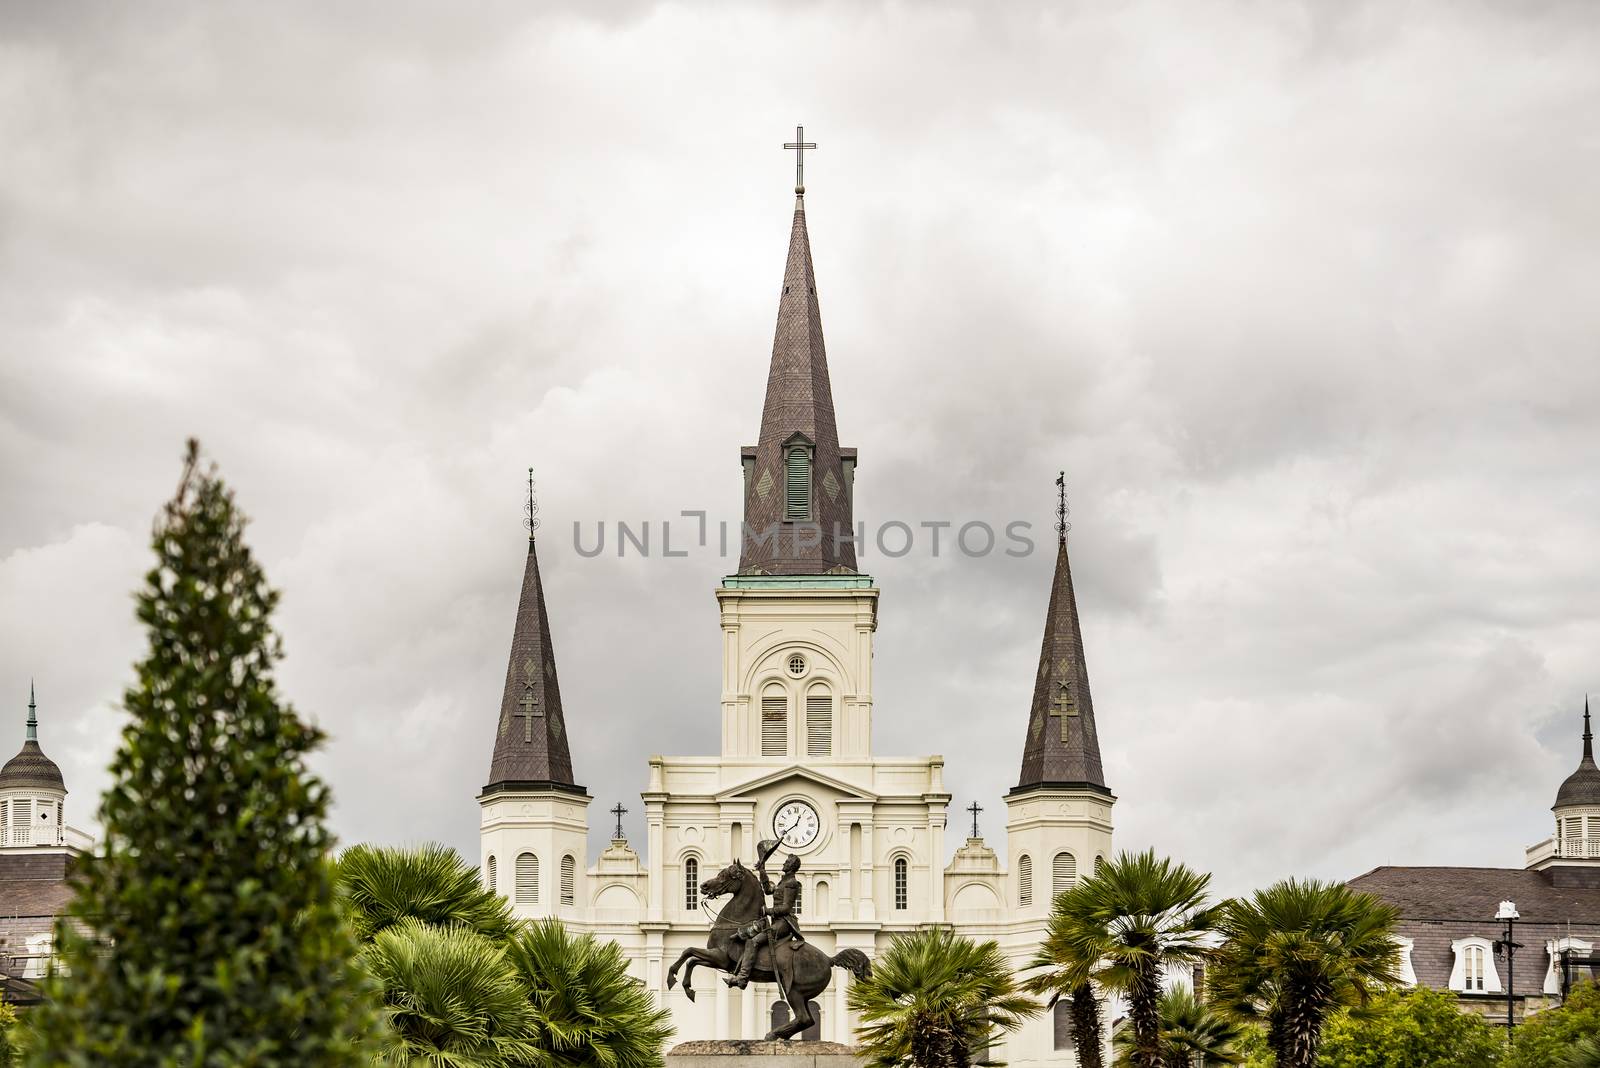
(802, 971)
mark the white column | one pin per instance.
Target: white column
(839, 1030)
(747, 1012)
(720, 1019)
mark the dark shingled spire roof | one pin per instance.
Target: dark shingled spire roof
(30, 768)
(1582, 786)
(530, 746)
(799, 404)
(1062, 748)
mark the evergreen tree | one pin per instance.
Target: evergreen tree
(213, 932)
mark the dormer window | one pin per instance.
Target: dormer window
(797, 482)
(1474, 971)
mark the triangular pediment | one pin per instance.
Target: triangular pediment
(792, 772)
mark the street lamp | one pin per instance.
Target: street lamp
(1508, 914)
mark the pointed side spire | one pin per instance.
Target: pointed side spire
(1582, 787)
(1062, 747)
(530, 747)
(798, 414)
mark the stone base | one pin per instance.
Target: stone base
(756, 1053)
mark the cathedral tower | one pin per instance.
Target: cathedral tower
(1058, 817)
(535, 823)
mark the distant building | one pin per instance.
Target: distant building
(37, 850)
(1451, 940)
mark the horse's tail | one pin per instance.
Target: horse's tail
(853, 959)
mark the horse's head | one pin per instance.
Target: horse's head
(725, 881)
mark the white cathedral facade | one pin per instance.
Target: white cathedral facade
(796, 762)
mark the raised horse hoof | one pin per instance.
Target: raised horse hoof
(688, 992)
(735, 981)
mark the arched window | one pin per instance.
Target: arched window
(569, 869)
(691, 883)
(819, 722)
(1474, 968)
(1063, 873)
(527, 879)
(1024, 881)
(489, 874)
(1061, 1023)
(1474, 971)
(1099, 864)
(797, 483)
(902, 889)
(774, 723)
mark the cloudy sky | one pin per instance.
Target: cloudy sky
(1304, 298)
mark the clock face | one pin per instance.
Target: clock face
(796, 824)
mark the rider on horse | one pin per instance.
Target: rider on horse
(779, 915)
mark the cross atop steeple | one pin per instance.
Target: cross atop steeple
(1063, 525)
(975, 808)
(798, 146)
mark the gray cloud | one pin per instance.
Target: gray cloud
(1303, 299)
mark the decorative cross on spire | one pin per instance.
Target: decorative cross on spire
(798, 146)
(1063, 525)
(530, 510)
(1063, 707)
(975, 808)
(618, 812)
(528, 708)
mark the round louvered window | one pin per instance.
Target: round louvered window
(797, 665)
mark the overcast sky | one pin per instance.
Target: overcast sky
(1304, 298)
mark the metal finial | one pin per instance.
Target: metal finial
(618, 812)
(1588, 735)
(33, 715)
(530, 509)
(798, 146)
(1063, 524)
(975, 808)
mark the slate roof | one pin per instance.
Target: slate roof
(1582, 787)
(530, 746)
(34, 897)
(1062, 748)
(1439, 905)
(799, 401)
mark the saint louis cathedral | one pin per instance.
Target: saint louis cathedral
(796, 760)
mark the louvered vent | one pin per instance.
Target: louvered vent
(1025, 882)
(22, 823)
(568, 875)
(489, 874)
(797, 484)
(1063, 873)
(819, 725)
(774, 725)
(5, 825)
(527, 879)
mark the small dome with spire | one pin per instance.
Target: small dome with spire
(1582, 786)
(30, 769)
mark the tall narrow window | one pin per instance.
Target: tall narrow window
(1099, 863)
(819, 723)
(691, 884)
(527, 879)
(1474, 968)
(1024, 881)
(21, 822)
(568, 873)
(799, 900)
(1061, 1025)
(489, 874)
(902, 889)
(1063, 873)
(61, 828)
(797, 483)
(774, 725)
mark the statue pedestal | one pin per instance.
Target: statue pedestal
(755, 1053)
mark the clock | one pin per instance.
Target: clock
(796, 824)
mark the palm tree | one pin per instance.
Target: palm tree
(1295, 952)
(587, 1010)
(1584, 1053)
(937, 999)
(453, 999)
(1191, 1034)
(1122, 927)
(383, 885)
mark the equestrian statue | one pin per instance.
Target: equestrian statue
(753, 940)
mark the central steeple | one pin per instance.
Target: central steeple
(797, 480)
